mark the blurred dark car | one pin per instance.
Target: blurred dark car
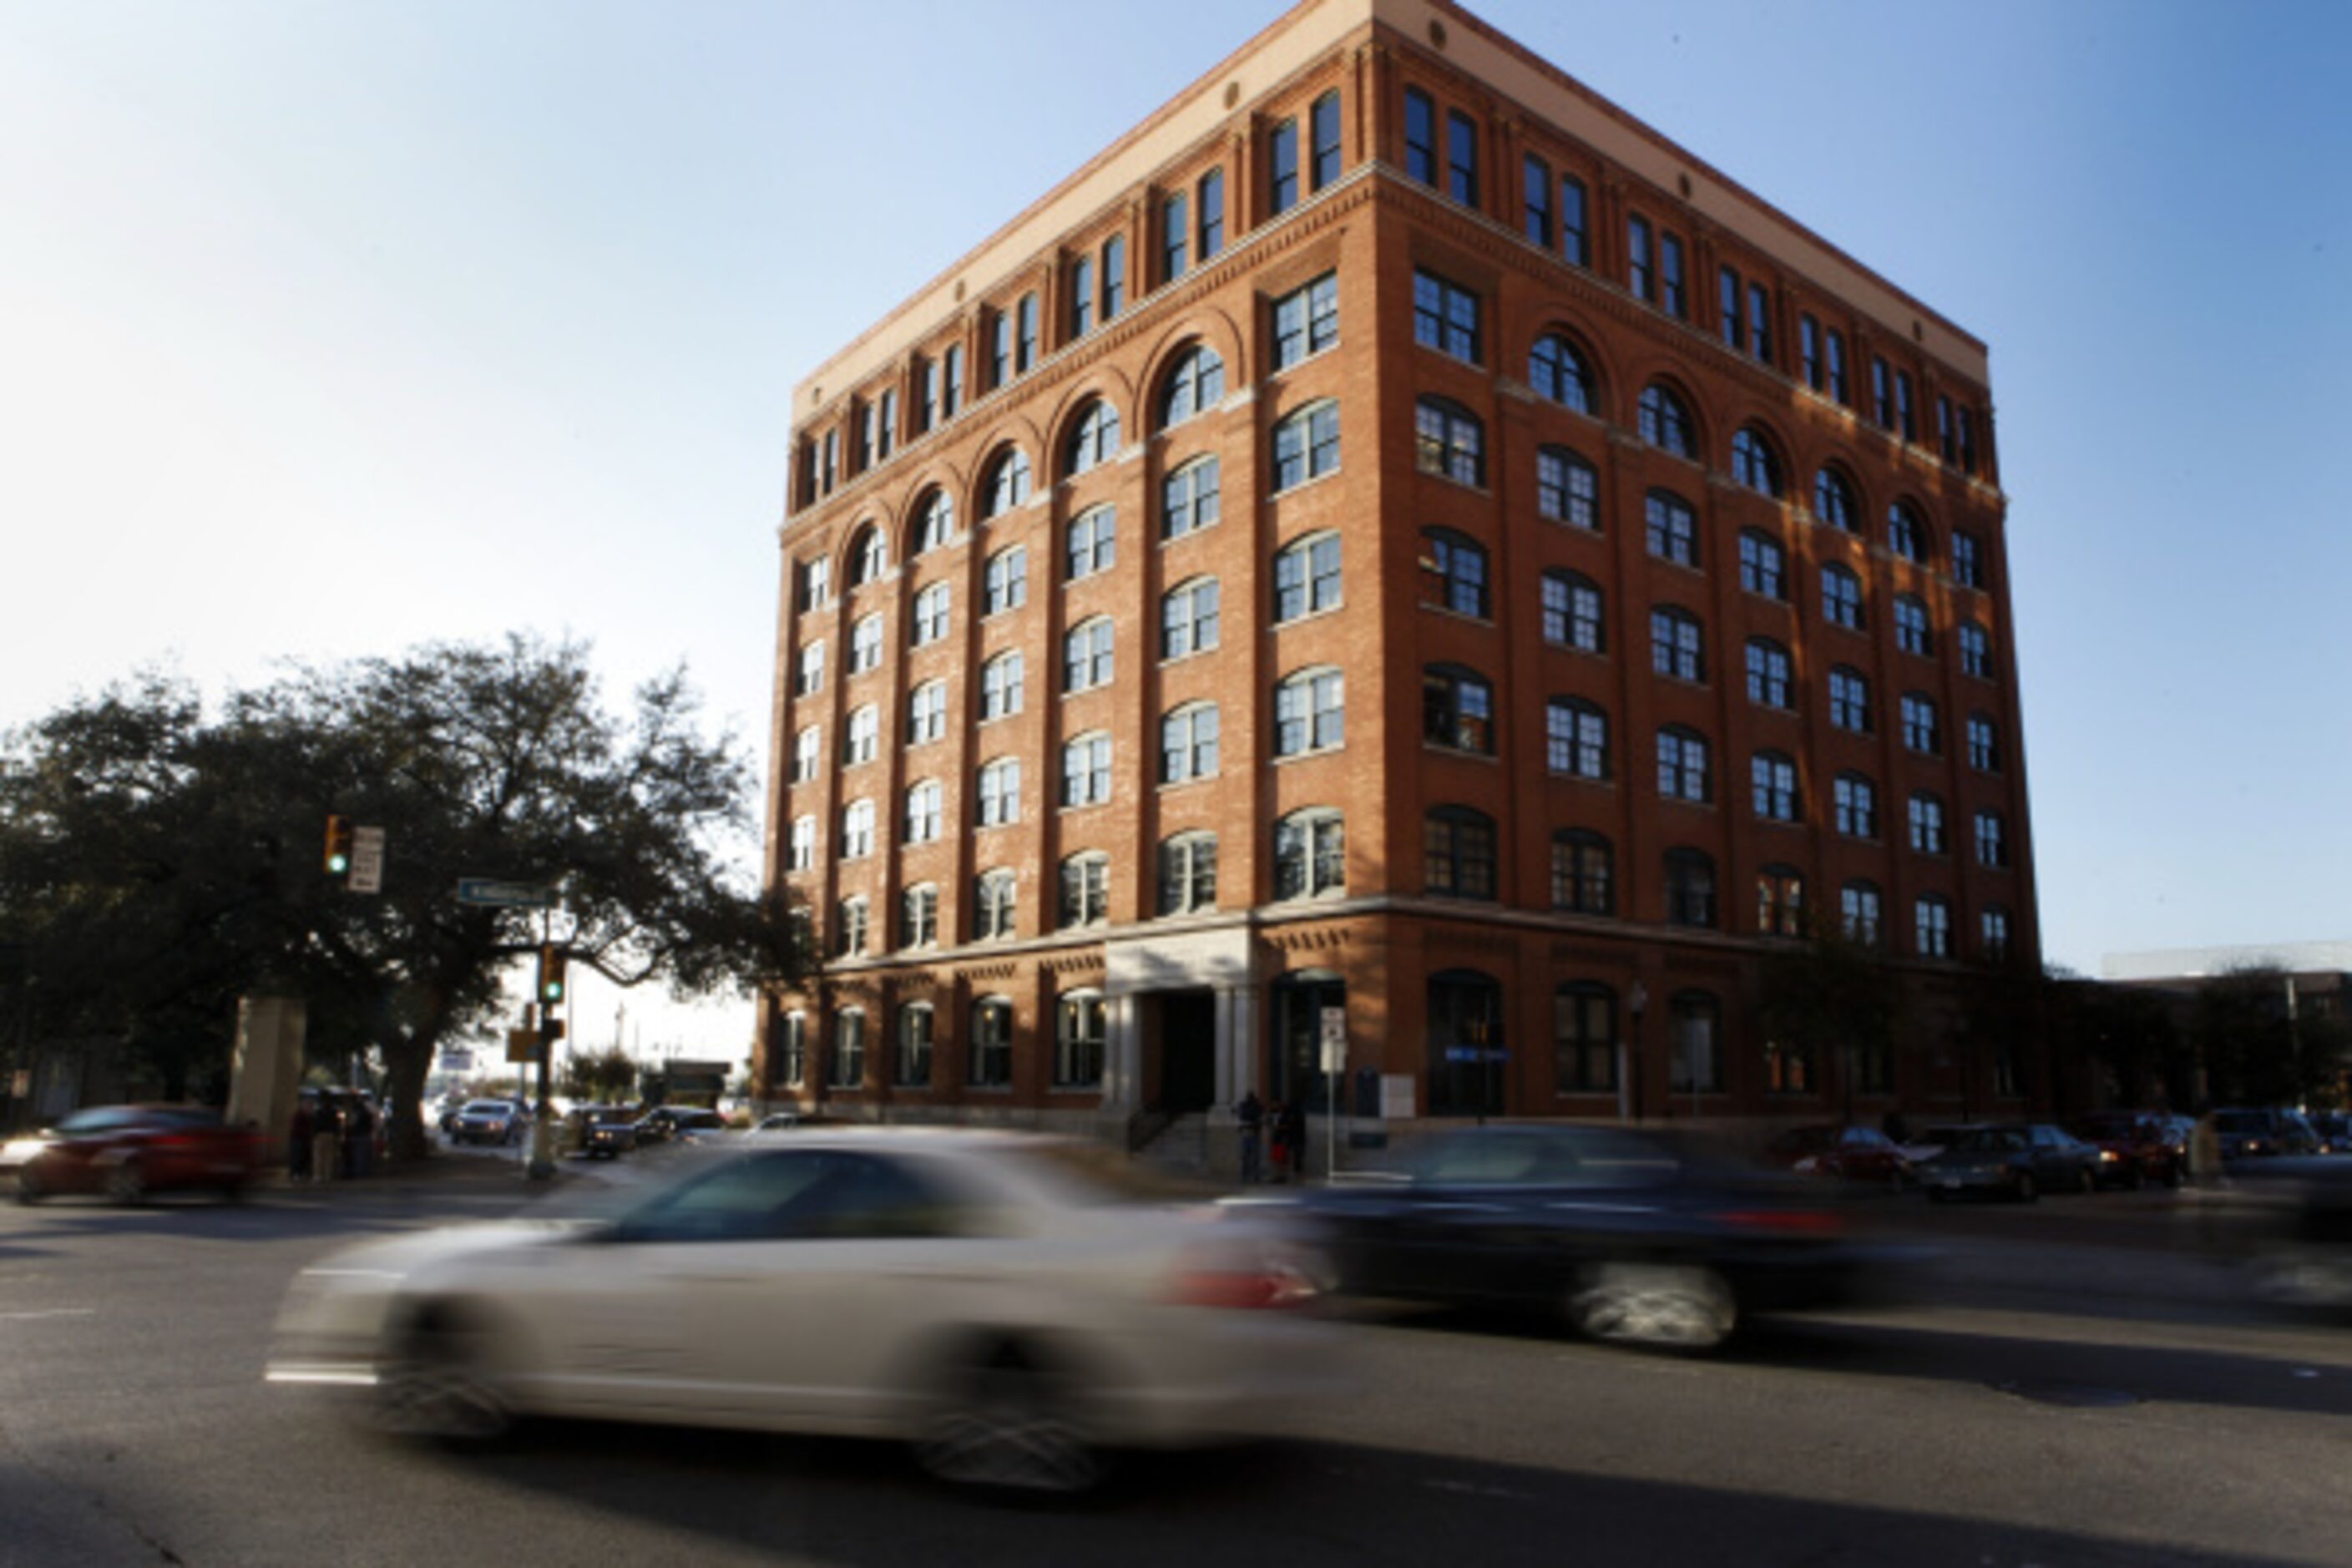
(2020, 1160)
(1850, 1153)
(1631, 1239)
(602, 1132)
(2334, 1130)
(2135, 1147)
(127, 1152)
(2249, 1134)
(502, 1122)
(680, 1123)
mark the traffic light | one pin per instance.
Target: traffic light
(551, 974)
(339, 846)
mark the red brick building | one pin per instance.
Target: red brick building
(1394, 535)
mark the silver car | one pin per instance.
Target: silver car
(977, 1296)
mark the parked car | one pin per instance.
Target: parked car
(2255, 1133)
(2020, 1160)
(127, 1152)
(1052, 1319)
(1631, 1239)
(2135, 1147)
(502, 1121)
(1854, 1153)
(781, 1122)
(602, 1132)
(2334, 1130)
(683, 1124)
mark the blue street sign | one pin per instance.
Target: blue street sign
(507, 895)
(1473, 1054)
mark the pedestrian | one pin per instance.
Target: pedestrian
(326, 1140)
(298, 1143)
(1278, 1152)
(1292, 1124)
(1250, 1117)
(359, 1137)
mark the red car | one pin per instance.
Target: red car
(127, 1152)
(1849, 1153)
(2135, 1147)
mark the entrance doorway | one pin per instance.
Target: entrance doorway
(1188, 1050)
(1298, 1002)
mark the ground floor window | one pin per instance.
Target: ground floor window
(1297, 1058)
(1696, 1043)
(1079, 1028)
(1466, 1049)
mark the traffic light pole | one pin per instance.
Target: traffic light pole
(543, 1129)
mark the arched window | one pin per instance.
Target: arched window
(1000, 792)
(1079, 1031)
(1976, 650)
(1834, 500)
(1086, 889)
(791, 1057)
(850, 922)
(1858, 912)
(1005, 483)
(1665, 423)
(1921, 729)
(1568, 489)
(1576, 738)
(1307, 445)
(919, 916)
(1927, 815)
(1572, 611)
(858, 830)
(865, 644)
(1850, 701)
(911, 1068)
(1449, 441)
(869, 555)
(923, 807)
(1754, 463)
(934, 523)
(1772, 781)
(1854, 801)
(1086, 655)
(1671, 530)
(1188, 873)
(861, 737)
(1780, 901)
(1984, 743)
(1584, 1039)
(1457, 710)
(932, 608)
(1840, 596)
(1086, 770)
(1306, 577)
(1583, 875)
(1188, 618)
(808, 753)
(990, 1062)
(847, 1069)
(1467, 1046)
(995, 896)
(1195, 384)
(1770, 682)
(1763, 565)
(1093, 543)
(1906, 534)
(1006, 583)
(1188, 499)
(1932, 918)
(1188, 744)
(1677, 643)
(1558, 372)
(1453, 572)
(926, 713)
(1310, 854)
(1093, 439)
(1000, 687)
(1992, 840)
(1309, 712)
(1683, 772)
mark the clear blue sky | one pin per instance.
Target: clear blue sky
(325, 328)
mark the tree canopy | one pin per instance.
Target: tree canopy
(157, 861)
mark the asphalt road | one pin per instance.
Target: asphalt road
(2071, 1383)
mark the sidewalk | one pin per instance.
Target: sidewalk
(448, 1169)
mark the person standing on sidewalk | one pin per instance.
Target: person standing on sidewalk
(298, 1143)
(1249, 1116)
(326, 1140)
(1291, 1128)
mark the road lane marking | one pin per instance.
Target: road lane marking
(51, 1312)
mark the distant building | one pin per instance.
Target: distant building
(1391, 535)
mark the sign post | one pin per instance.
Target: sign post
(1335, 1063)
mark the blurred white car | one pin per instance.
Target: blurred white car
(981, 1297)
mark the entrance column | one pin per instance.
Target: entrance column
(1122, 1054)
(1238, 1068)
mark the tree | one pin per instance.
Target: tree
(156, 864)
(606, 1076)
(1831, 998)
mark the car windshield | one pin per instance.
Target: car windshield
(1989, 1140)
(2240, 1122)
(488, 1108)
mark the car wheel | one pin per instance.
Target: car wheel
(28, 1186)
(127, 1183)
(435, 1388)
(1672, 1306)
(1938, 1196)
(233, 1193)
(1005, 1424)
(2026, 1191)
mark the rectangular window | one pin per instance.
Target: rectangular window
(1323, 121)
(1944, 427)
(1445, 316)
(1759, 322)
(1026, 348)
(927, 394)
(1537, 201)
(1281, 167)
(1838, 388)
(1114, 276)
(1000, 350)
(1419, 136)
(886, 432)
(1213, 212)
(1175, 236)
(1082, 295)
(1808, 350)
(1967, 441)
(1307, 320)
(1575, 237)
(951, 382)
(1462, 157)
(1728, 309)
(1906, 417)
(831, 471)
(1671, 298)
(1638, 276)
(1007, 585)
(1882, 398)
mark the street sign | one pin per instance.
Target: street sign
(367, 860)
(508, 895)
(1335, 1039)
(522, 1045)
(1475, 1054)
